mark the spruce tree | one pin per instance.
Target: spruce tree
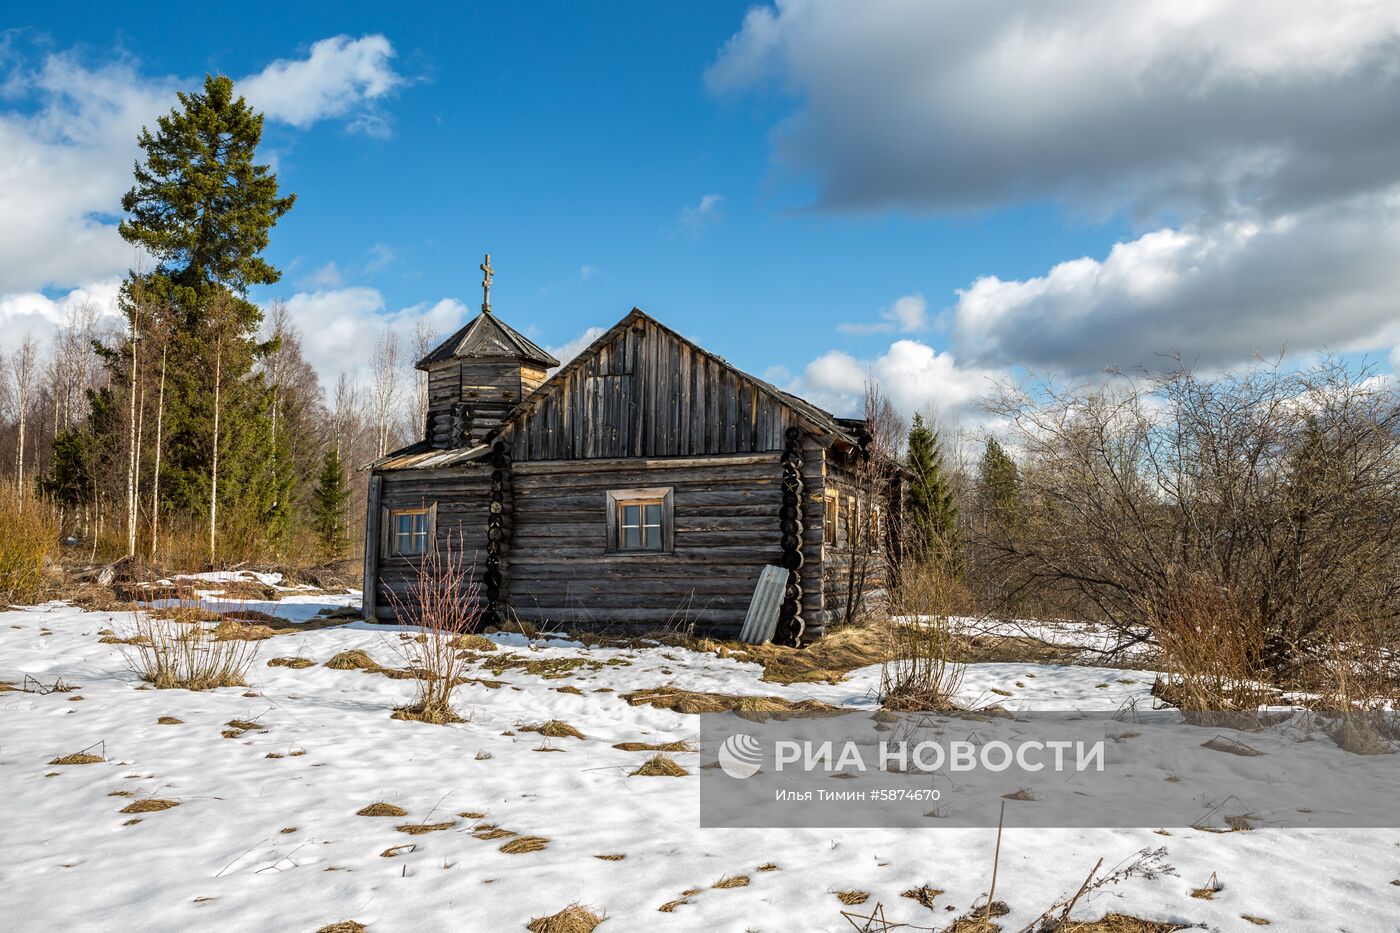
(328, 503)
(202, 208)
(998, 483)
(933, 516)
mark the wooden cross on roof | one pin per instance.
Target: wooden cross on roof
(487, 272)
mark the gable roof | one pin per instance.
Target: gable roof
(818, 419)
(488, 336)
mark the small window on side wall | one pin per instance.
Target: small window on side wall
(831, 519)
(640, 521)
(409, 532)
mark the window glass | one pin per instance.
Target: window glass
(632, 537)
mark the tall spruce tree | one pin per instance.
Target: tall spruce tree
(998, 483)
(933, 515)
(202, 208)
(328, 504)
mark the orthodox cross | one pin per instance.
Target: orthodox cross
(487, 272)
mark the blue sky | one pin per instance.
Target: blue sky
(760, 179)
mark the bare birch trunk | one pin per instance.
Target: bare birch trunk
(155, 480)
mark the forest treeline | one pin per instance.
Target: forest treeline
(191, 429)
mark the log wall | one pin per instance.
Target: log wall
(726, 529)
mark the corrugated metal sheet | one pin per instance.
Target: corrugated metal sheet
(762, 619)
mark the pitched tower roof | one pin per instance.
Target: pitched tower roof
(486, 336)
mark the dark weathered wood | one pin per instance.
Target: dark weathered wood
(371, 574)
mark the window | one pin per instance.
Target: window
(640, 524)
(409, 531)
(832, 518)
(640, 520)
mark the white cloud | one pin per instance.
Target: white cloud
(339, 327)
(587, 273)
(31, 314)
(907, 315)
(695, 218)
(340, 76)
(914, 375)
(1325, 278)
(1151, 104)
(68, 137)
(572, 348)
(379, 256)
(327, 276)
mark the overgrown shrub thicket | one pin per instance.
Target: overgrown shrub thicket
(1243, 523)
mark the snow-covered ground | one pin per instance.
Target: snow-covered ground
(266, 834)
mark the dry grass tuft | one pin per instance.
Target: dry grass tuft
(1117, 923)
(475, 643)
(294, 663)
(149, 805)
(29, 542)
(921, 673)
(682, 745)
(659, 766)
(521, 844)
(344, 926)
(924, 894)
(168, 655)
(381, 808)
(490, 833)
(238, 630)
(554, 729)
(611, 857)
(693, 701)
(851, 898)
(734, 881)
(471, 815)
(352, 660)
(419, 829)
(572, 919)
(1257, 921)
(569, 688)
(394, 851)
(434, 715)
(169, 721)
(79, 758)
(244, 725)
(768, 866)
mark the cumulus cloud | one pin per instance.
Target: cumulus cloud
(914, 375)
(907, 315)
(68, 134)
(339, 76)
(1152, 104)
(1325, 278)
(32, 314)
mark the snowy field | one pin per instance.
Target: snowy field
(266, 834)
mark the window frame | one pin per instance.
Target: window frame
(616, 499)
(389, 539)
(831, 518)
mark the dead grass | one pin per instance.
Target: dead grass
(149, 805)
(572, 919)
(238, 630)
(851, 898)
(417, 712)
(922, 673)
(294, 663)
(522, 844)
(554, 729)
(344, 926)
(244, 725)
(692, 701)
(732, 881)
(548, 668)
(768, 866)
(169, 721)
(1117, 923)
(681, 745)
(168, 655)
(79, 758)
(352, 660)
(489, 833)
(474, 643)
(924, 894)
(380, 808)
(659, 766)
(611, 857)
(827, 660)
(419, 829)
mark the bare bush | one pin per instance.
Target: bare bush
(168, 654)
(1278, 489)
(920, 672)
(445, 605)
